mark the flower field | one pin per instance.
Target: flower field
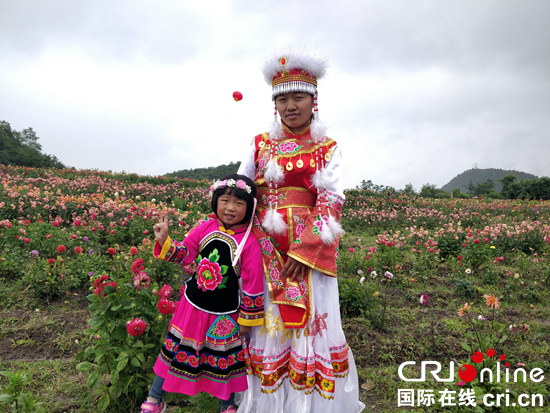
(84, 306)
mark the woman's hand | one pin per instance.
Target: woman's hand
(161, 230)
(294, 269)
(244, 329)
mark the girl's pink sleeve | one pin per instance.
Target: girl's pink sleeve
(183, 252)
(251, 312)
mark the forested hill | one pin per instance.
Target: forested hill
(478, 176)
(212, 172)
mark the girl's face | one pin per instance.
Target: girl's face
(295, 109)
(230, 209)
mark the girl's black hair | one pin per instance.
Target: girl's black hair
(239, 193)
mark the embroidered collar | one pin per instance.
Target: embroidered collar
(234, 229)
(292, 134)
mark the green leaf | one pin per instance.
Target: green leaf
(214, 256)
(223, 269)
(92, 379)
(140, 357)
(115, 391)
(96, 322)
(92, 298)
(84, 366)
(6, 398)
(121, 364)
(122, 355)
(114, 376)
(116, 307)
(103, 402)
(109, 289)
(135, 362)
(138, 344)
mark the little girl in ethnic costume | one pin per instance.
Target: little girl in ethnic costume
(203, 350)
(299, 360)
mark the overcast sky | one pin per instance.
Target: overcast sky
(417, 91)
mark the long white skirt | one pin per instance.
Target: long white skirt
(309, 370)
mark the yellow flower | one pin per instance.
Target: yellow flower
(492, 247)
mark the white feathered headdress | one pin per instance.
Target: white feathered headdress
(295, 70)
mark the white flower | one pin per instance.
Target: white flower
(362, 280)
(153, 200)
(231, 182)
(423, 299)
(359, 272)
(116, 194)
(388, 275)
(468, 271)
(373, 274)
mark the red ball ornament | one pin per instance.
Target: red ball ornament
(467, 373)
(477, 357)
(237, 96)
(490, 352)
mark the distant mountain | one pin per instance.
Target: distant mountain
(212, 172)
(478, 176)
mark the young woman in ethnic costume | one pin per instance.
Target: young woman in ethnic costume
(223, 299)
(298, 361)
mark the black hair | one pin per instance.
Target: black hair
(239, 193)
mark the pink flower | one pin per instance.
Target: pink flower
(137, 266)
(222, 363)
(259, 301)
(165, 291)
(460, 383)
(351, 249)
(224, 327)
(299, 229)
(267, 245)
(61, 248)
(165, 306)
(181, 357)
(133, 250)
(293, 293)
(141, 279)
(193, 361)
(241, 184)
(247, 301)
(274, 274)
(136, 327)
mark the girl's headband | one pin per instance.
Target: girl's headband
(231, 183)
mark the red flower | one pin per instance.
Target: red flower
(476, 241)
(464, 245)
(165, 291)
(27, 240)
(99, 290)
(222, 363)
(51, 261)
(485, 239)
(231, 360)
(61, 248)
(211, 360)
(460, 258)
(76, 222)
(181, 357)
(203, 359)
(351, 249)
(111, 251)
(209, 275)
(133, 251)
(137, 266)
(240, 356)
(390, 244)
(165, 306)
(78, 250)
(193, 361)
(136, 327)
(55, 224)
(259, 301)
(48, 236)
(248, 302)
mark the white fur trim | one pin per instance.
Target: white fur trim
(274, 223)
(321, 179)
(273, 173)
(326, 235)
(297, 58)
(276, 131)
(335, 226)
(318, 130)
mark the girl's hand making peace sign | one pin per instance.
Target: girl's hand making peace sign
(161, 229)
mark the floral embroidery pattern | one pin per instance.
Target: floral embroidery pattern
(318, 324)
(272, 324)
(318, 225)
(223, 327)
(210, 273)
(267, 246)
(293, 293)
(288, 148)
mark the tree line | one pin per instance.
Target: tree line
(22, 149)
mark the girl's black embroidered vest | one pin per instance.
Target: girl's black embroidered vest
(214, 287)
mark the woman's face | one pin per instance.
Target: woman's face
(295, 109)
